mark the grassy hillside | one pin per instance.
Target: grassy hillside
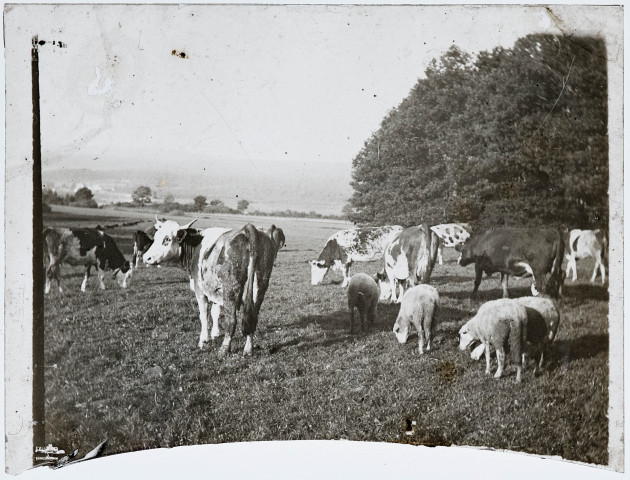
(123, 365)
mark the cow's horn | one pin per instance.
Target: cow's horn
(188, 225)
(156, 219)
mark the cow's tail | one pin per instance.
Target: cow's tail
(250, 315)
(605, 250)
(429, 254)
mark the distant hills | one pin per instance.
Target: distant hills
(322, 187)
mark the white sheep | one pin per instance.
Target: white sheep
(420, 306)
(496, 324)
(363, 294)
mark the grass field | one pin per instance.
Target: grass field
(123, 365)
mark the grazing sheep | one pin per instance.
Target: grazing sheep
(498, 322)
(362, 294)
(420, 306)
(543, 319)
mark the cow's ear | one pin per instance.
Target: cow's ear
(181, 234)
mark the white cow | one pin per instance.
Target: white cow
(585, 244)
(451, 235)
(354, 245)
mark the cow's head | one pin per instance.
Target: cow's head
(465, 337)
(384, 286)
(166, 242)
(123, 274)
(401, 329)
(318, 270)
(466, 256)
(277, 235)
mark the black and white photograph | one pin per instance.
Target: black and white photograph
(308, 240)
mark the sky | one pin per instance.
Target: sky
(258, 84)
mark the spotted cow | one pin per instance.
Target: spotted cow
(227, 269)
(83, 246)
(354, 245)
(408, 260)
(450, 235)
(585, 244)
(141, 243)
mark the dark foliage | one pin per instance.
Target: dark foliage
(516, 137)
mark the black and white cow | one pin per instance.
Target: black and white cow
(585, 244)
(83, 246)
(451, 235)
(227, 269)
(408, 260)
(141, 243)
(519, 252)
(354, 245)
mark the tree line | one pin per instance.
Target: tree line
(510, 137)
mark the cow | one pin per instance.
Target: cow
(227, 269)
(519, 252)
(450, 235)
(585, 244)
(83, 246)
(141, 243)
(408, 260)
(501, 324)
(354, 245)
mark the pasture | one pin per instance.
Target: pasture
(123, 365)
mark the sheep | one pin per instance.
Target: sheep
(543, 318)
(498, 322)
(420, 306)
(363, 294)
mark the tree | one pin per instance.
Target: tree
(199, 202)
(169, 199)
(242, 205)
(216, 203)
(505, 139)
(142, 195)
(83, 194)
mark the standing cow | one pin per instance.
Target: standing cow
(408, 260)
(354, 245)
(141, 243)
(450, 235)
(227, 268)
(519, 252)
(83, 246)
(585, 244)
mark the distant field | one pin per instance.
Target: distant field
(123, 365)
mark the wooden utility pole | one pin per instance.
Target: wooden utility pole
(38, 266)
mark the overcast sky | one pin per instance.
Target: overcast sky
(258, 84)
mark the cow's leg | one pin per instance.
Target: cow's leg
(345, 270)
(85, 278)
(598, 264)
(487, 350)
(500, 361)
(204, 306)
(101, 277)
(572, 265)
(229, 312)
(49, 275)
(478, 275)
(602, 271)
(504, 284)
(439, 254)
(215, 312)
